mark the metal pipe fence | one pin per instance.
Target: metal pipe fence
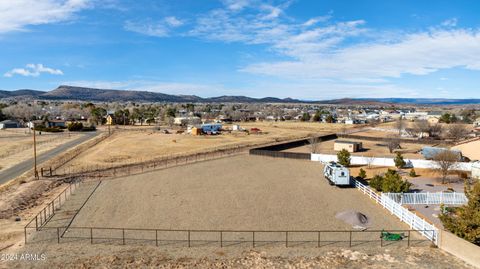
(222, 238)
(142, 167)
(46, 213)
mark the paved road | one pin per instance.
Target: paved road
(26, 165)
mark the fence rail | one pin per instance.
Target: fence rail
(221, 238)
(415, 222)
(140, 167)
(50, 209)
(281, 154)
(429, 198)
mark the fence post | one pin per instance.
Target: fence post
(286, 239)
(91, 235)
(253, 239)
(36, 222)
(350, 244)
(156, 238)
(25, 232)
(318, 242)
(188, 238)
(41, 171)
(221, 239)
(58, 235)
(123, 236)
(381, 239)
(50, 171)
(408, 241)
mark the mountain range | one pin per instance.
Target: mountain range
(73, 93)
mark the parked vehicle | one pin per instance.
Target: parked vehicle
(337, 174)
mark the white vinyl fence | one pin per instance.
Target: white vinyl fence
(415, 222)
(429, 198)
(379, 161)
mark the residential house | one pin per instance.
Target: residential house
(6, 124)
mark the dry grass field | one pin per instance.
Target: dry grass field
(17, 146)
(238, 193)
(143, 144)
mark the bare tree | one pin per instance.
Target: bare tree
(435, 130)
(393, 143)
(399, 126)
(369, 160)
(421, 127)
(445, 161)
(457, 132)
(313, 142)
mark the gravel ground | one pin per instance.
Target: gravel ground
(107, 256)
(238, 193)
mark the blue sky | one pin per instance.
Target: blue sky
(300, 49)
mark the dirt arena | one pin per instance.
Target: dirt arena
(238, 193)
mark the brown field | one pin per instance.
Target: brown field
(130, 146)
(238, 193)
(371, 148)
(17, 146)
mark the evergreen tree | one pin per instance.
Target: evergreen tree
(343, 157)
(399, 161)
(464, 221)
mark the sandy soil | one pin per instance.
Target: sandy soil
(239, 193)
(17, 147)
(371, 148)
(136, 146)
(102, 256)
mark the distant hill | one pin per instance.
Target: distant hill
(73, 93)
(65, 92)
(425, 101)
(20, 93)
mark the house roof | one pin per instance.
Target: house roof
(347, 142)
(9, 121)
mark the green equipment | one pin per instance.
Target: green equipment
(391, 236)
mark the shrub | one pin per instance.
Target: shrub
(393, 182)
(89, 129)
(412, 173)
(399, 161)
(343, 157)
(42, 128)
(376, 182)
(390, 182)
(75, 126)
(362, 174)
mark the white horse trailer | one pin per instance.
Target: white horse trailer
(337, 174)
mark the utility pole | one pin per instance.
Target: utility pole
(34, 153)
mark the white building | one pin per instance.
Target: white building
(187, 120)
(476, 170)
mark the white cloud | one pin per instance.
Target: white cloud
(316, 20)
(173, 21)
(452, 22)
(15, 15)
(160, 28)
(33, 70)
(236, 5)
(416, 54)
(147, 28)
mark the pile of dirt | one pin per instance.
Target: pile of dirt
(357, 219)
